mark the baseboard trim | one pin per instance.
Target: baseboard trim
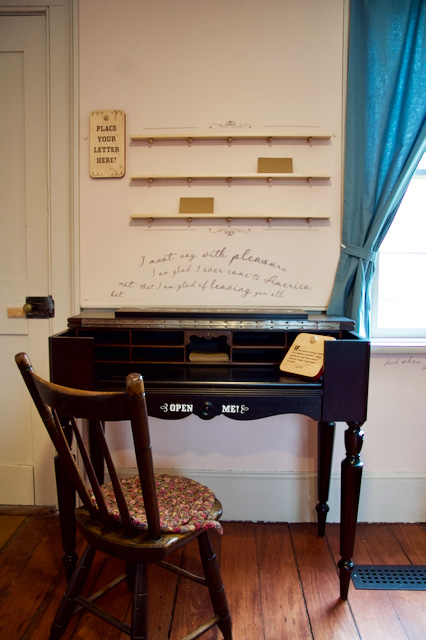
(272, 496)
(291, 497)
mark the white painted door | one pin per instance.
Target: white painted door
(26, 473)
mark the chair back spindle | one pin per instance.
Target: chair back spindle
(59, 406)
(143, 452)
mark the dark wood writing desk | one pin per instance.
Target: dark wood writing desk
(220, 362)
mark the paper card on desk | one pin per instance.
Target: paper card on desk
(306, 355)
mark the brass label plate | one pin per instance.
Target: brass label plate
(196, 205)
(275, 165)
(107, 135)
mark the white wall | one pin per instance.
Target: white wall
(263, 469)
(221, 67)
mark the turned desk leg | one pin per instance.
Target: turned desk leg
(351, 485)
(325, 455)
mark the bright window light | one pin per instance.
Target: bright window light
(399, 290)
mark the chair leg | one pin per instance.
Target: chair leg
(215, 585)
(75, 587)
(140, 603)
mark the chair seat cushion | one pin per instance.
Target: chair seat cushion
(184, 504)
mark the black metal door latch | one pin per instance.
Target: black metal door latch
(39, 307)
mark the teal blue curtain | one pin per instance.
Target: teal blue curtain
(385, 138)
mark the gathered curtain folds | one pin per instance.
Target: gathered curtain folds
(385, 138)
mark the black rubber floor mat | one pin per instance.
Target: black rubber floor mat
(395, 577)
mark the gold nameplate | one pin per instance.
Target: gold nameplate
(107, 144)
(196, 205)
(306, 355)
(275, 165)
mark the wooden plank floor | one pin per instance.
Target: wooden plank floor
(281, 582)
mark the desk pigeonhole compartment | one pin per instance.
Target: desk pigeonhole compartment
(258, 347)
(157, 346)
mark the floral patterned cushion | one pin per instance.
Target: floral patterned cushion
(184, 504)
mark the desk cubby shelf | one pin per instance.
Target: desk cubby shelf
(117, 350)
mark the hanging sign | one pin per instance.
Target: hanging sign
(107, 144)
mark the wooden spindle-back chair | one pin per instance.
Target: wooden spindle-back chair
(129, 518)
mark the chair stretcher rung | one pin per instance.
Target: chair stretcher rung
(197, 633)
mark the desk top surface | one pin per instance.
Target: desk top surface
(245, 318)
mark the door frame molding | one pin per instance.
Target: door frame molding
(62, 66)
(61, 17)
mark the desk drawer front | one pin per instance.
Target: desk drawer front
(236, 406)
